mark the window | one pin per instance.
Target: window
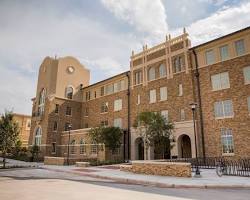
(93, 148)
(86, 113)
(178, 64)
(28, 125)
(115, 151)
(224, 52)
(120, 85)
(104, 107)
(102, 90)
(248, 103)
(66, 126)
(68, 110)
(220, 81)
(162, 70)
(182, 113)
(227, 140)
(38, 136)
(109, 89)
(164, 113)
(55, 126)
(53, 147)
(69, 93)
(72, 147)
(240, 47)
(151, 74)
(138, 77)
(118, 122)
(82, 147)
(163, 93)
(152, 96)
(210, 59)
(88, 95)
(41, 103)
(117, 104)
(223, 109)
(57, 108)
(180, 88)
(104, 123)
(138, 99)
(246, 72)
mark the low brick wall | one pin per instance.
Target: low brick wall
(54, 160)
(159, 168)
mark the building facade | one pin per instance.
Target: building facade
(166, 78)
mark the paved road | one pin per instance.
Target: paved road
(29, 184)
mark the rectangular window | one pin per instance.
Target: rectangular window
(240, 47)
(119, 86)
(210, 58)
(93, 148)
(227, 140)
(57, 108)
(118, 122)
(246, 72)
(102, 90)
(182, 113)
(104, 123)
(88, 96)
(68, 110)
(164, 113)
(152, 96)
(104, 107)
(224, 52)
(180, 90)
(108, 89)
(86, 113)
(220, 81)
(66, 126)
(138, 77)
(138, 99)
(178, 64)
(118, 104)
(223, 109)
(53, 147)
(248, 103)
(163, 93)
(55, 126)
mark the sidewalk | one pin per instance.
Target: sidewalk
(209, 178)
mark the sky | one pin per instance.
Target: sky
(101, 34)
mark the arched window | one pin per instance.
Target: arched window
(82, 147)
(151, 74)
(38, 136)
(69, 92)
(162, 70)
(72, 147)
(41, 102)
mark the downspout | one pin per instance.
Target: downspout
(197, 76)
(128, 139)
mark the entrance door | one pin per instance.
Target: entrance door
(140, 149)
(185, 144)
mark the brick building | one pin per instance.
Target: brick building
(165, 78)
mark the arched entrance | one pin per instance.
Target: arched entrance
(184, 146)
(139, 149)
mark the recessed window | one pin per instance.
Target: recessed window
(72, 147)
(164, 113)
(82, 147)
(68, 110)
(102, 90)
(55, 126)
(210, 57)
(182, 114)
(66, 126)
(224, 52)
(57, 108)
(86, 112)
(38, 136)
(118, 122)
(41, 103)
(119, 86)
(246, 72)
(151, 74)
(93, 148)
(88, 96)
(162, 71)
(69, 92)
(240, 47)
(220, 81)
(227, 140)
(53, 147)
(180, 90)
(248, 103)
(138, 77)
(223, 109)
(163, 93)
(178, 64)
(152, 96)
(104, 123)
(108, 89)
(104, 107)
(118, 104)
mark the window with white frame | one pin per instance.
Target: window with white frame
(220, 81)
(151, 74)
(82, 147)
(118, 122)
(248, 103)
(246, 72)
(104, 107)
(138, 99)
(182, 114)
(210, 57)
(118, 104)
(41, 102)
(224, 54)
(93, 148)
(227, 140)
(180, 88)
(109, 89)
(138, 77)
(69, 92)
(120, 85)
(240, 47)
(164, 113)
(223, 109)
(72, 147)
(152, 96)
(163, 93)
(162, 71)
(38, 136)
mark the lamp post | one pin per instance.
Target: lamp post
(69, 128)
(197, 170)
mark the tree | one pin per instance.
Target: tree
(8, 134)
(34, 152)
(153, 127)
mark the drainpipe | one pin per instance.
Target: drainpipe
(128, 139)
(197, 76)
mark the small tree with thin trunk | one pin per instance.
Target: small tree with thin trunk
(8, 134)
(153, 127)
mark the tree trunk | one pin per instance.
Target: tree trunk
(4, 159)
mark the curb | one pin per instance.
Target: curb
(152, 183)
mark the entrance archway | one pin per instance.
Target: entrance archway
(184, 146)
(139, 145)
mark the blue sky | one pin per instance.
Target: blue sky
(100, 33)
